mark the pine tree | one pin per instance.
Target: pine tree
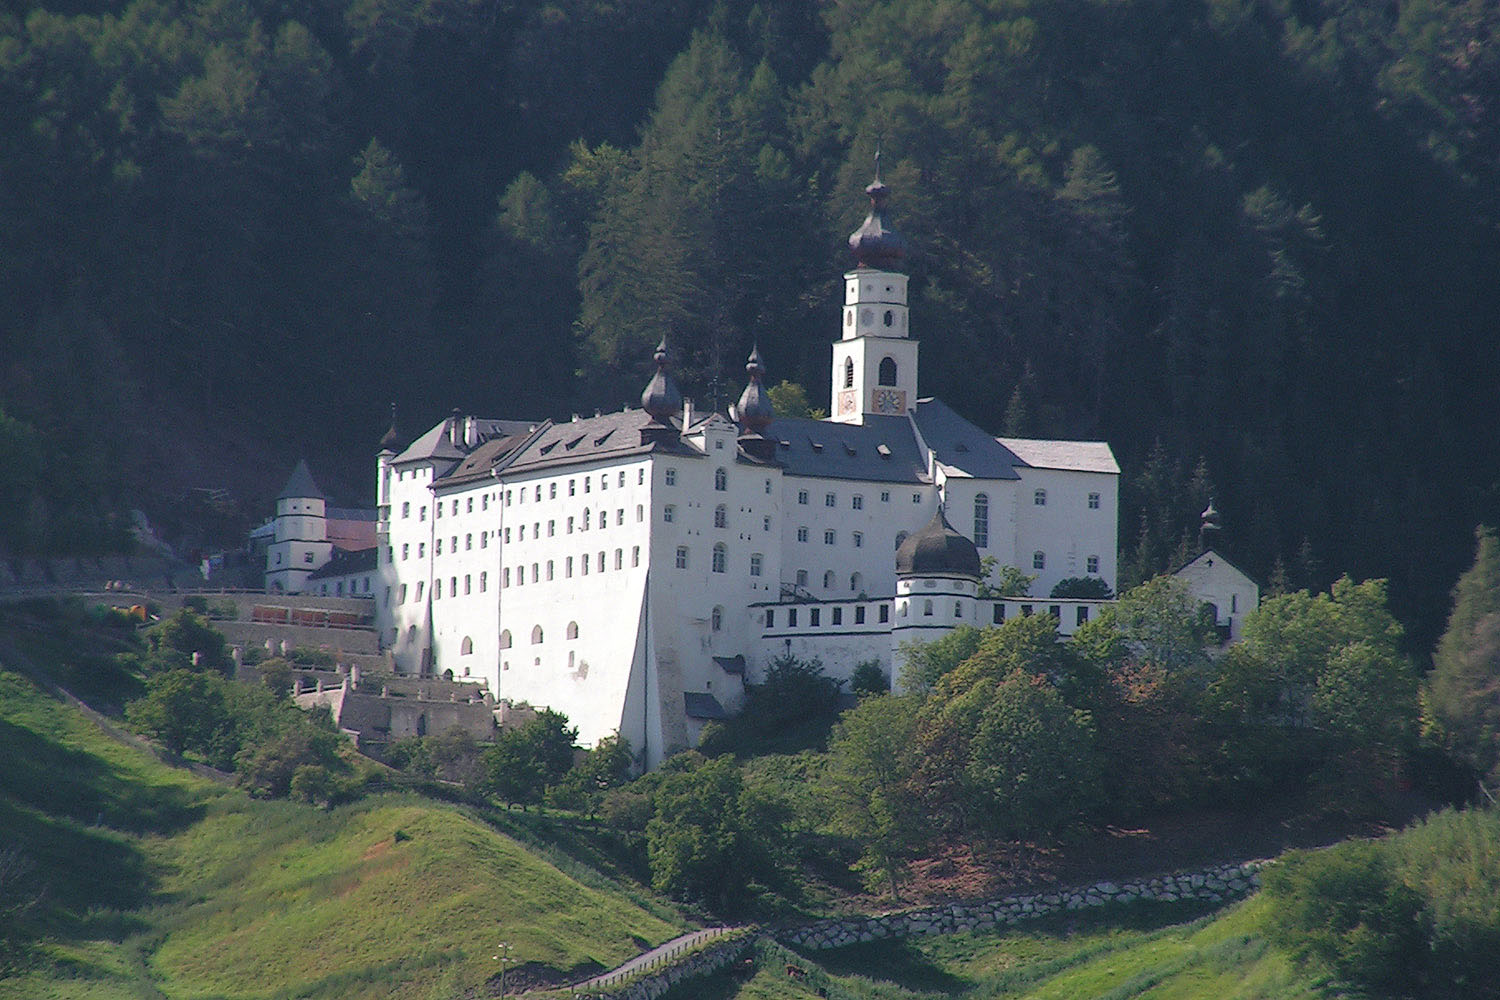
(1462, 699)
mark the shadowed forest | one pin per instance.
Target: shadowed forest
(1252, 244)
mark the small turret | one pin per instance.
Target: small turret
(661, 400)
(754, 412)
(392, 439)
(1208, 530)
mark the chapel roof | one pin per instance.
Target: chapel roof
(961, 445)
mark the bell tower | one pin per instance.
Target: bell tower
(875, 361)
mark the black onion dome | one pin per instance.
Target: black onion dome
(755, 411)
(937, 550)
(875, 244)
(392, 439)
(661, 399)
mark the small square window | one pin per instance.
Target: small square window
(802, 496)
(1093, 501)
(830, 500)
(1039, 498)
(1093, 564)
(801, 534)
(885, 496)
(857, 502)
(671, 477)
(916, 498)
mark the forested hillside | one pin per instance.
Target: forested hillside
(1253, 245)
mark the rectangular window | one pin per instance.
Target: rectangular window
(916, 498)
(1093, 564)
(885, 496)
(998, 614)
(791, 617)
(437, 590)
(484, 582)
(571, 488)
(586, 484)
(536, 573)
(422, 514)
(640, 477)
(671, 477)
(1039, 498)
(829, 536)
(682, 557)
(405, 550)
(603, 519)
(455, 506)
(814, 616)
(549, 570)
(1093, 501)
(601, 562)
(420, 585)
(1038, 560)
(583, 562)
(768, 487)
(551, 528)
(507, 536)
(1083, 614)
(466, 584)
(859, 540)
(830, 500)
(802, 496)
(437, 511)
(635, 556)
(1055, 611)
(765, 523)
(484, 539)
(551, 491)
(622, 478)
(838, 616)
(402, 598)
(668, 512)
(770, 618)
(568, 568)
(885, 613)
(802, 534)
(857, 502)
(405, 509)
(484, 502)
(570, 526)
(453, 544)
(755, 564)
(620, 516)
(604, 481)
(859, 614)
(619, 558)
(421, 550)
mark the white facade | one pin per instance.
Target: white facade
(632, 569)
(1229, 592)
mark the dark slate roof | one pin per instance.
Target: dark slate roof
(345, 563)
(300, 484)
(436, 444)
(882, 449)
(937, 550)
(588, 439)
(702, 706)
(961, 445)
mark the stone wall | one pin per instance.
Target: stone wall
(1218, 884)
(672, 969)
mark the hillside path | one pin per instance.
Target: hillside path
(645, 959)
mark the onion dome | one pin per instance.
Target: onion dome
(754, 411)
(937, 550)
(1208, 531)
(661, 399)
(392, 440)
(875, 244)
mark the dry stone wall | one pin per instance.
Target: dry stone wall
(1218, 884)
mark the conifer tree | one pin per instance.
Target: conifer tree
(1463, 691)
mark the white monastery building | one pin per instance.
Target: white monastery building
(633, 569)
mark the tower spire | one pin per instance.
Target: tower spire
(661, 399)
(875, 244)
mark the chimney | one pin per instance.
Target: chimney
(455, 429)
(471, 431)
(687, 413)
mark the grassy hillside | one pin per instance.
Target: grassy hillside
(1145, 953)
(155, 883)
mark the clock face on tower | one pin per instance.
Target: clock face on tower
(848, 401)
(889, 401)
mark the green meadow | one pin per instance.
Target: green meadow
(149, 882)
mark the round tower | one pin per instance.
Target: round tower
(937, 585)
(301, 542)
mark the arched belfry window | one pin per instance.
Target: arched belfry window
(536, 635)
(848, 373)
(887, 371)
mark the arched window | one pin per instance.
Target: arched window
(856, 583)
(927, 608)
(716, 619)
(848, 373)
(572, 630)
(466, 648)
(801, 582)
(887, 371)
(411, 634)
(900, 537)
(536, 635)
(958, 609)
(721, 517)
(982, 520)
(721, 558)
(721, 480)
(505, 639)
(828, 580)
(890, 317)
